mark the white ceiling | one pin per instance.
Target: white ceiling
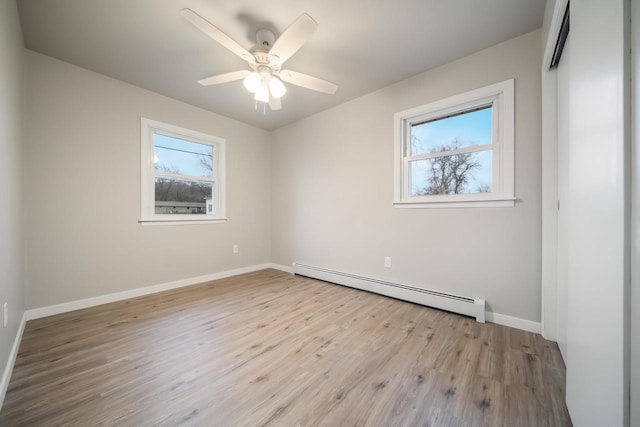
(361, 45)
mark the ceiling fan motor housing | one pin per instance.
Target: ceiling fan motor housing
(261, 57)
(265, 38)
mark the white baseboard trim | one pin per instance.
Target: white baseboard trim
(474, 307)
(514, 322)
(404, 292)
(37, 313)
(8, 369)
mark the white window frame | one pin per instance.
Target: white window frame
(501, 98)
(147, 174)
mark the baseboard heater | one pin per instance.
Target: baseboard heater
(474, 307)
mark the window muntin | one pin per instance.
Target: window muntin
(182, 175)
(457, 151)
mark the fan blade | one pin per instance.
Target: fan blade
(275, 103)
(308, 82)
(212, 31)
(292, 39)
(224, 78)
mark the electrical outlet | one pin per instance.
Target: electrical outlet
(5, 315)
(236, 249)
(387, 262)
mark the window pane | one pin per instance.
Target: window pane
(449, 133)
(175, 196)
(455, 174)
(182, 157)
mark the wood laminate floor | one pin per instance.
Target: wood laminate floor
(269, 348)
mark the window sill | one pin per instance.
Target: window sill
(181, 221)
(498, 202)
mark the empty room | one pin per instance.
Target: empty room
(319, 213)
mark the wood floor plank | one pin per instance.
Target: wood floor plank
(272, 349)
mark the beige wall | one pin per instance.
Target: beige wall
(318, 191)
(82, 189)
(11, 259)
(332, 184)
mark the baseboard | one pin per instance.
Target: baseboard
(404, 292)
(37, 313)
(514, 322)
(474, 307)
(8, 369)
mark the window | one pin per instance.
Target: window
(457, 152)
(182, 175)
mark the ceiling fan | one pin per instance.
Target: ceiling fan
(265, 78)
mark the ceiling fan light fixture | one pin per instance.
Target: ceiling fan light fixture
(262, 94)
(253, 82)
(276, 87)
(265, 61)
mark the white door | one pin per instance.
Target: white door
(563, 192)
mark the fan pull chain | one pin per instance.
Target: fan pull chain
(264, 107)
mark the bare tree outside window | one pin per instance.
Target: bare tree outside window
(170, 189)
(206, 163)
(164, 185)
(450, 174)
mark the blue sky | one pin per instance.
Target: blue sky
(182, 155)
(473, 128)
